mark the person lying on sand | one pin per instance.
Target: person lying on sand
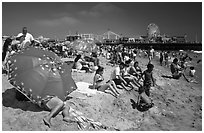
(55, 105)
(100, 86)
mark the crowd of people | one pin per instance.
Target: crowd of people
(127, 73)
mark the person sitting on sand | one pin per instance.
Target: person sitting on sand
(101, 86)
(25, 38)
(55, 105)
(192, 71)
(95, 62)
(116, 76)
(176, 70)
(5, 53)
(148, 79)
(183, 64)
(192, 75)
(128, 77)
(136, 70)
(79, 64)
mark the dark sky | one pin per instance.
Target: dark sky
(57, 19)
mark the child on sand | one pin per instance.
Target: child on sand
(192, 71)
(192, 75)
(55, 105)
(148, 79)
(101, 86)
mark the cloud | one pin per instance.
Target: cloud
(100, 10)
(58, 21)
(90, 13)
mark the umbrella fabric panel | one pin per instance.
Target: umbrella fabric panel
(68, 81)
(32, 81)
(39, 74)
(38, 52)
(23, 63)
(54, 87)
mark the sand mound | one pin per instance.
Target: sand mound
(177, 106)
(116, 113)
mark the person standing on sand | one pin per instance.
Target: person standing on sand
(150, 54)
(161, 58)
(166, 58)
(101, 86)
(148, 79)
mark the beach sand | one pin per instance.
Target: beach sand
(177, 106)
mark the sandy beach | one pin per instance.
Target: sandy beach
(177, 106)
(51, 57)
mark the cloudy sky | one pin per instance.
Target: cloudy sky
(57, 19)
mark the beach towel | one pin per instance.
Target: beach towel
(79, 71)
(85, 123)
(83, 87)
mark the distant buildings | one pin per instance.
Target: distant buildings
(153, 36)
(111, 37)
(72, 37)
(108, 36)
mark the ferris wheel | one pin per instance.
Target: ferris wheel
(152, 31)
